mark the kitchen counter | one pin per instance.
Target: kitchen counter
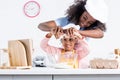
(52, 71)
(59, 74)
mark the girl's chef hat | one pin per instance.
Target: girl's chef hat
(97, 9)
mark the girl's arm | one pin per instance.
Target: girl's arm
(81, 45)
(46, 47)
(82, 49)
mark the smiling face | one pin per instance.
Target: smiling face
(68, 43)
(86, 19)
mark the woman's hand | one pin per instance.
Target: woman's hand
(72, 32)
(57, 32)
(69, 31)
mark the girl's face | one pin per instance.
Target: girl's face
(68, 43)
(86, 19)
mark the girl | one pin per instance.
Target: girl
(71, 53)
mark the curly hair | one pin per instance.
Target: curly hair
(76, 10)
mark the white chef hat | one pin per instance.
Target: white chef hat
(97, 9)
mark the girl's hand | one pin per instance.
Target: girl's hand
(57, 32)
(77, 34)
(48, 35)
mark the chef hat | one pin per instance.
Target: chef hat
(97, 9)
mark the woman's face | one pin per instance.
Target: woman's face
(68, 43)
(86, 19)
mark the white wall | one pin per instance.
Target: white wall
(15, 25)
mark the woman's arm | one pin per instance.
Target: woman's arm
(97, 33)
(47, 26)
(51, 26)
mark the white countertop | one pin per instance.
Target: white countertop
(52, 71)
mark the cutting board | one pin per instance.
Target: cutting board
(28, 44)
(17, 53)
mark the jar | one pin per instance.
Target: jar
(4, 58)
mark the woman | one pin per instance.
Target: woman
(86, 14)
(68, 54)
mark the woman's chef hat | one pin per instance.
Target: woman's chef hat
(97, 9)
